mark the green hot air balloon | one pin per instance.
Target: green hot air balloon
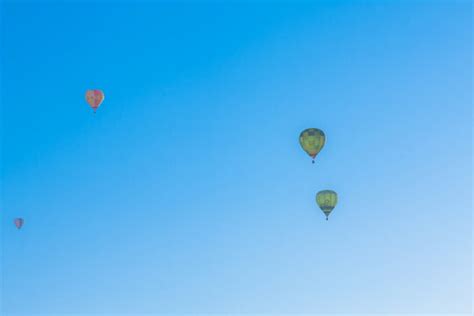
(327, 200)
(312, 141)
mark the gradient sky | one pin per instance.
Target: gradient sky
(188, 192)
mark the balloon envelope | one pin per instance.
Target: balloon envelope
(18, 222)
(327, 200)
(94, 98)
(312, 140)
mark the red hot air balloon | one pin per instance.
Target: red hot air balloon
(18, 222)
(94, 98)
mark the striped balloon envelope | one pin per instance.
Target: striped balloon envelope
(326, 200)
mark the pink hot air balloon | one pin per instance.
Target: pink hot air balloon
(94, 98)
(18, 222)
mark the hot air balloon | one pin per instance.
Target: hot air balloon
(327, 200)
(18, 222)
(312, 141)
(94, 98)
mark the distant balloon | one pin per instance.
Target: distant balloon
(94, 98)
(312, 141)
(18, 222)
(327, 200)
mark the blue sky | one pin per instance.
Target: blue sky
(188, 192)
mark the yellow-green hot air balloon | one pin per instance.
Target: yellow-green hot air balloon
(327, 200)
(312, 141)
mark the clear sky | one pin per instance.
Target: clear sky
(188, 191)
